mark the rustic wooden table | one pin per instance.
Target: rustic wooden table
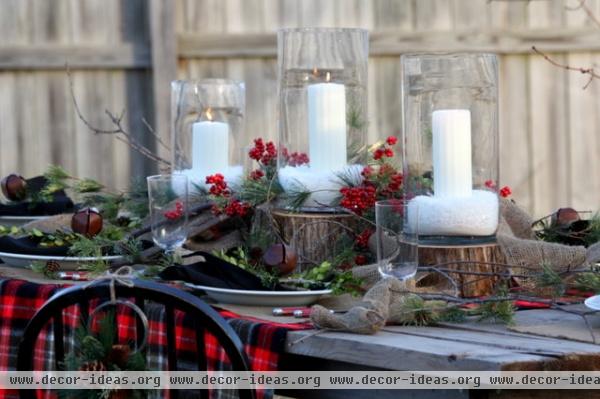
(469, 346)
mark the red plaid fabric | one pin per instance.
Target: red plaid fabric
(19, 300)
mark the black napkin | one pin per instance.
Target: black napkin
(29, 246)
(60, 202)
(216, 272)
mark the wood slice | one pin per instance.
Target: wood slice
(470, 285)
(313, 235)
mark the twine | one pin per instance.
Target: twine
(123, 275)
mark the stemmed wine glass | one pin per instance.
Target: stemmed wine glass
(397, 238)
(168, 201)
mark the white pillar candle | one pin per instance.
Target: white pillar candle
(327, 126)
(452, 175)
(210, 147)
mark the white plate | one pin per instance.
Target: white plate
(262, 298)
(593, 302)
(19, 220)
(66, 262)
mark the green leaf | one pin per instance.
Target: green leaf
(87, 186)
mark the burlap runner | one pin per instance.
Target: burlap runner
(517, 241)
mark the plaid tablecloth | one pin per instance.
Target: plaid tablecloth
(19, 300)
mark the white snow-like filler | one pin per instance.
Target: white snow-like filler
(476, 215)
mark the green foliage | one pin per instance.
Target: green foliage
(296, 198)
(549, 278)
(593, 234)
(589, 281)
(499, 311)
(345, 283)
(260, 191)
(40, 267)
(418, 312)
(453, 314)
(87, 186)
(90, 348)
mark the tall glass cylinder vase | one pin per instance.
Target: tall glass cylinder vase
(207, 126)
(450, 145)
(322, 113)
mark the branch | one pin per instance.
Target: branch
(586, 71)
(119, 132)
(583, 6)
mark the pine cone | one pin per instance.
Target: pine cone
(119, 355)
(52, 266)
(95, 365)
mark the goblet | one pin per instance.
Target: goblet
(168, 201)
(397, 238)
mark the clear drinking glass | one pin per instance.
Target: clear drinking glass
(397, 238)
(168, 195)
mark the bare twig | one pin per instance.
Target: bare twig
(118, 132)
(586, 71)
(155, 135)
(588, 11)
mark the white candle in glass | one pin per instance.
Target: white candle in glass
(327, 125)
(210, 146)
(452, 174)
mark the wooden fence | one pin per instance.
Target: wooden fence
(124, 53)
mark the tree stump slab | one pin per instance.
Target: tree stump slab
(314, 236)
(469, 285)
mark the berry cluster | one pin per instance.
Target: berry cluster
(385, 177)
(360, 260)
(263, 153)
(504, 191)
(234, 207)
(256, 174)
(384, 151)
(297, 159)
(362, 240)
(219, 185)
(175, 213)
(358, 199)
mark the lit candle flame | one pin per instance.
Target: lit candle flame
(327, 77)
(315, 72)
(209, 114)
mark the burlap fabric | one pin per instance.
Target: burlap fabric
(520, 247)
(383, 302)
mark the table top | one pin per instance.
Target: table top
(466, 346)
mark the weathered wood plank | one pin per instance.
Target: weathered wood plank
(548, 117)
(503, 41)
(56, 56)
(164, 67)
(391, 351)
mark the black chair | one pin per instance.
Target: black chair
(205, 319)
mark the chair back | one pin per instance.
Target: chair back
(205, 319)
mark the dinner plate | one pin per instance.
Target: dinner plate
(66, 262)
(19, 220)
(593, 302)
(261, 298)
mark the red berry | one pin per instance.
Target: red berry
(505, 191)
(391, 140)
(360, 260)
(389, 152)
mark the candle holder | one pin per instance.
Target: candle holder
(207, 124)
(450, 146)
(322, 113)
